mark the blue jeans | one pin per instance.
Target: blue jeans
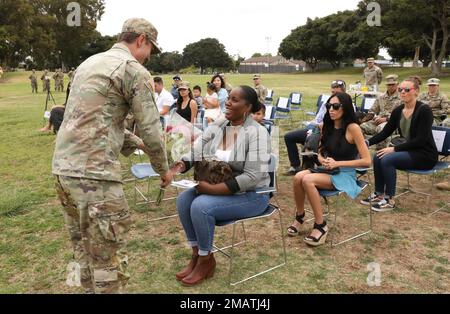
(292, 139)
(386, 171)
(199, 213)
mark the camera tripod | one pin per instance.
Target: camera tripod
(49, 96)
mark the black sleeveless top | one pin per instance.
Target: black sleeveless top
(339, 148)
(186, 113)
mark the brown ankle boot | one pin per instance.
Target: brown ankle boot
(206, 265)
(190, 267)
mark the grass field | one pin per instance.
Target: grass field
(411, 247)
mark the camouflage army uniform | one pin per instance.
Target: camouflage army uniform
(71, 73)
(34, 84)
(382, 108)
(56, 79)
(61, 80)
(373, 76)
(45, 81)
(261, 91)
(86, 163)
(439, 105)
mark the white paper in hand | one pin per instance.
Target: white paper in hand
(184, 184)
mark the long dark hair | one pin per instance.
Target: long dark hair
(180, 99)
(348, 118)
(222, 84)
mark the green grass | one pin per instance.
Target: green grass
(411, 247)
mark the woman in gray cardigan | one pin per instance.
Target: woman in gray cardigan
(245, 146)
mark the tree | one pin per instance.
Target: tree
(165, 62)
(15, 31)
(38, 28)
(207, 53)
(422, 33)
(297, 45)
(333, 38)
(97, 45)
(257, 55)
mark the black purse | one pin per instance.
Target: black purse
(321, 169)
(398, 141)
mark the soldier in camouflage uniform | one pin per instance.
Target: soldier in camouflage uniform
(33, 80)
(45, 81)
(260, 89)
(56, 79)
(107, 86)
(437, 101)
(382, 109)
(372, 74)
(61, 80)
(71, 73)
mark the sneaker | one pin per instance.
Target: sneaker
(292, 171)
(384, 205)
(373, 198)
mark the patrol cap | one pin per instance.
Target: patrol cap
(256, 76)
(370, 60)
(433, 81)
(177, 77)
(142, 26)
(183, 85)
(392, 79)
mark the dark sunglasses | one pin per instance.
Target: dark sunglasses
(335, 106)
(407, 89)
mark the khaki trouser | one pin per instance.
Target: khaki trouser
(370, 129)
(97, 217)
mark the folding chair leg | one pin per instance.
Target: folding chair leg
(265, 271)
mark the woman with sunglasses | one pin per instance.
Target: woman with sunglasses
(186, 104)
(341, 143)
(413, 119)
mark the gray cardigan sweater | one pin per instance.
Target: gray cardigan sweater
(250, 156)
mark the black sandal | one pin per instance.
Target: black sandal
(291, 230)
(310, 240)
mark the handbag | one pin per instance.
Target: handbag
(212, 171)
(398, 141)
(325, 170)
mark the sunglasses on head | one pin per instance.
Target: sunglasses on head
(407, 89)
(337, 83)
(334, 106)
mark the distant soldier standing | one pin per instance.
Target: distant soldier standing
(61, 80)
(372, 74)
(45, 81)
(260, 89)
(56, 80)
(71, 73)
(106, 87)
(33, 80)
(437, 101)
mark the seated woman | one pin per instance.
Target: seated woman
(245, 146)
(414, 120)
(186, 104)
(341, 143)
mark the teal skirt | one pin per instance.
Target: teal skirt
(345, 181)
